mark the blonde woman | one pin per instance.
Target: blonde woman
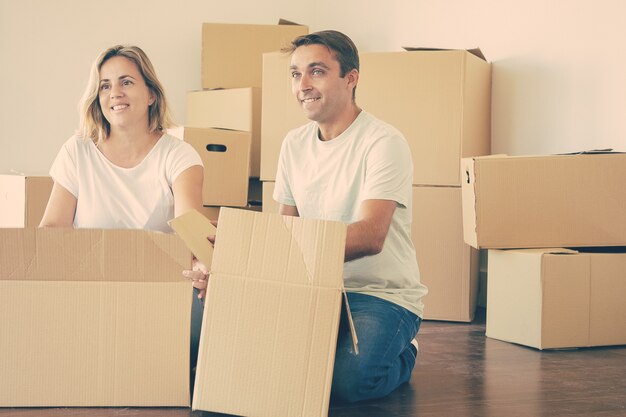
(121, 169)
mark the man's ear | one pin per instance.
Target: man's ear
(353, 77)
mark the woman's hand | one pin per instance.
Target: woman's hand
(199, 274)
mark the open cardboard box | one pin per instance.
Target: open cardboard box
(271, 314)
(93, 318)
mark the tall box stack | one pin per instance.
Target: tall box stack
(555, 227)
(230, 99)
(441, 101)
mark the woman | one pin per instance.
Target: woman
(121, 170)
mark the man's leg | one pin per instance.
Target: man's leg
(386, 357)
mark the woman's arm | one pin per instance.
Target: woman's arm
(61, 208)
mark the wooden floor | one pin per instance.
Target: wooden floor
(461, 373)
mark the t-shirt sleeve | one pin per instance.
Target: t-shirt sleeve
(282, 189)
(389, 170)
(64, 168)
(181, 157)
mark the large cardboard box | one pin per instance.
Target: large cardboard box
(225, 155)
(280, 111)
(544, 201)
(93, 318)
(448, 266)
(271, 315)
(236, 109)
(232, 54)
(557, 298)
(23, 199)
(439, 100)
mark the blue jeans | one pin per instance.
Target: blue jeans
(386, 357)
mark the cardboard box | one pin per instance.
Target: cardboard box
(280, 112)
(213, 212)
(439, 100)
(232, 54)
(23, 199)
(271, 315)
(93, 318)
(225, 155)
(448, 266)
(556, 298)
(235, 109)
(269, 204)
(544, 201)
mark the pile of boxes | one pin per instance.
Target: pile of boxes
(530, 212)
(223, 120)
(441, 102)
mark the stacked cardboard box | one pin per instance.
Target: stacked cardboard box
(441, 102)
(23, 199)
(547, 297)
(228, 108)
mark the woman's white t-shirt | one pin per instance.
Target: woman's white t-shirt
(329, 180)
(111, 197)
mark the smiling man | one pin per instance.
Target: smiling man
(346, 165)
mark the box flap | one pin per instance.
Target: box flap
(60, 254)
(474, 51)
(271, 316)
(194, 228)
(258, 244)
(282, 21)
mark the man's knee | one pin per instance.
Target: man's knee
(348, 386)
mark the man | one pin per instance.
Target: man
(346, 165)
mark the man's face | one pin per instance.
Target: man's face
(317, 85)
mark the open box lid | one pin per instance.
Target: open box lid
(474, 51)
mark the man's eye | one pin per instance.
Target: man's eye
(295, 74)
(317, 72)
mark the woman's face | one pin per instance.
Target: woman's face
(123, 94)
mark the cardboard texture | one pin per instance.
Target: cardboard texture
(225, 155)
(269, 204)
(448, 266)
(280, 112)
(23, 199)
(93, 318)
(271, 315)
(556, 298)
(235, 109)
(232, 54)
(544, 201)
(439, 100)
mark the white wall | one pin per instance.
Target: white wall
(559, 68)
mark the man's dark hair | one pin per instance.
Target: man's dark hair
(342, 46)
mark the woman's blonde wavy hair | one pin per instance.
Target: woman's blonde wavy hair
(93, 124)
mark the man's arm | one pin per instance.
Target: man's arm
(287, 210)
(367, 235)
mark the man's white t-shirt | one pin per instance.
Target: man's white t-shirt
(330, 179)
(111, 197)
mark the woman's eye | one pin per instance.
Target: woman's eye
(127, 82)
(104, 87)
